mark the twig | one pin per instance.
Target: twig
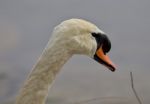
(132, 85)
(134, 91)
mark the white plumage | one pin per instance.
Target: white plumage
(70, 37)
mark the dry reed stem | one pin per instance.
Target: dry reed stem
(134, 91)
(132, 86)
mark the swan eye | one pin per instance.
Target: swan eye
(96, 35)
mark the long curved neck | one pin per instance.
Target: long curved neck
(35, 89)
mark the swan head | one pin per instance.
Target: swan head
(82, 37)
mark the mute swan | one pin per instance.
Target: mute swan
(74, 36)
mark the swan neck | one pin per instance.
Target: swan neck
(35, 89)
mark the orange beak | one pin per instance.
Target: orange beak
(104, 59)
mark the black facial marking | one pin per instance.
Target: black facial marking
(102, 40)
(106, 44)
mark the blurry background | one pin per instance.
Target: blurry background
(26, 26)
